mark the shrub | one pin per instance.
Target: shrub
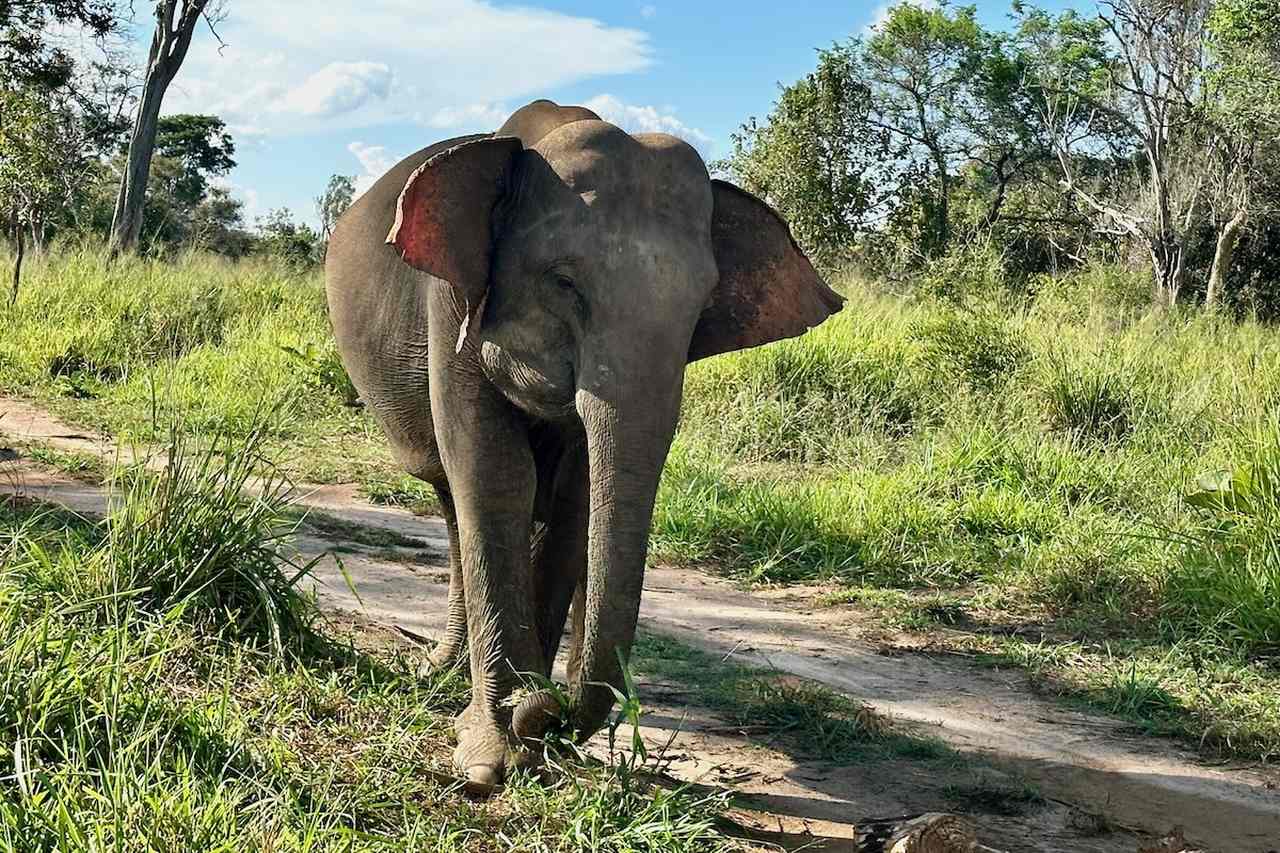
(1229, 575)
(205, 537)
(974, 343)
(1094, 397)
(968, 270)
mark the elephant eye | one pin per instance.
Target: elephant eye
(563, 281)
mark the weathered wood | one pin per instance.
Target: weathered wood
(926, 833)
(920, 833)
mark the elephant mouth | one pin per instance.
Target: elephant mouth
(546, 393)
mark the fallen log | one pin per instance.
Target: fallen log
(921, 833)
(926, 833)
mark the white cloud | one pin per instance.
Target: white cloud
(376, 162)
(290, 67)
(340, 87)
(646, 119)
(881, 15)
(488, 116)
(648, 10)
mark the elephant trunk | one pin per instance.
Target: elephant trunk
(627, 444)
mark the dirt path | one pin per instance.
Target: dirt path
(1101, 781)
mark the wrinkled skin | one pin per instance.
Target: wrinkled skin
(522, 342)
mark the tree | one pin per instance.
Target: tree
(295, 243)
(37, 178)
(1192, 86)
(202, 147)
(919, 65)
(176, 22)
(918, 132)
(818, 159)
(333, 202)
(30, 55)
(1241, 116)
(1145, 72)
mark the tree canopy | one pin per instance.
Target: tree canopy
(30, 52)
(1151, 125)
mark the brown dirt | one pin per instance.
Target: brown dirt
(1107, 790)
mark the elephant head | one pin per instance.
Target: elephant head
(590, 266)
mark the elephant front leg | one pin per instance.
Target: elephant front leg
(485, 449)
(503, 641)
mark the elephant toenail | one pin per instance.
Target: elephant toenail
(482, 779)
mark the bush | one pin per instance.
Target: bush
(204, 537)
(970, 270)
(1229, 576)
(975, 344)
(1096, 397)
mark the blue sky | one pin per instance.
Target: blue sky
(312, 88)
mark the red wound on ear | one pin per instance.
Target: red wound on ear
(768, 289)
(443, 216)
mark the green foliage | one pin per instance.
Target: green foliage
(1243, 35)
(201, 146)
(338, 195)
(292, 242)
(1093, 398)
(325, 372)
(37, 176)
(818, 159)
(194, 538)
(129, 723)
(1230, 576)
(30, 53)
(1028, 457)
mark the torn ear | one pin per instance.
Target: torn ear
(444, 218)
(768, 290)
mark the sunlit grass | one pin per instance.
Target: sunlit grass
(1039, 451)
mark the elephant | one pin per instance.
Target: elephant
(516, 310)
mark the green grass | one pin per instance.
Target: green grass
(1044, 457)
(164, 686)
(82, 466)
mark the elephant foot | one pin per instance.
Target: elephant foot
(485, 751)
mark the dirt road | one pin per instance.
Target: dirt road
(1105, 787)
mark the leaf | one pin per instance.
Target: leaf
(1223, 491)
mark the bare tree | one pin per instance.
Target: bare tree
(332, 203)
(176, 21)
(1241, 117)
(1150, 83)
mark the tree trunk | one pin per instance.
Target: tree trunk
(1228, 238)
(169, 46)
(1168, 270)
(19, 249)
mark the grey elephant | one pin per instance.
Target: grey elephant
(516, 310)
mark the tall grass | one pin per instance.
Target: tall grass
(1037, 452)
(145, 703)
(136, 345)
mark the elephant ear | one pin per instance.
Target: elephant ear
(768, 290)
(444, 219)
